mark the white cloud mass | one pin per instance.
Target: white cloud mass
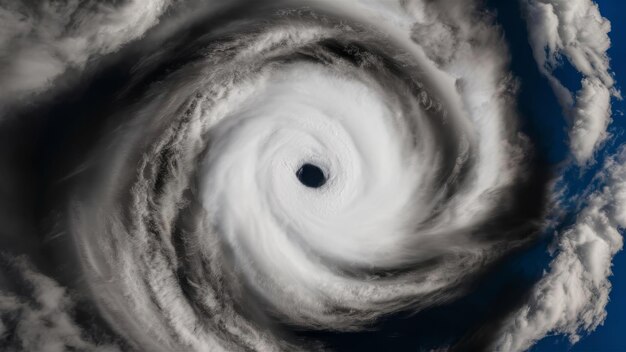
(39, 43)
(39, 315)
(576, 30)
(571, 298)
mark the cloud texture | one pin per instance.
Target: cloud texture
(571, 298)
(41, 41)
(38, 314)
(575, 31)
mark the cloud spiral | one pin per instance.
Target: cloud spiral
(184, 208)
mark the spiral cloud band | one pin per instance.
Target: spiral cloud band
(259, 175)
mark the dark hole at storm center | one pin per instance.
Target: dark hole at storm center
(311, 176)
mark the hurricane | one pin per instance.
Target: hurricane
(306, 174)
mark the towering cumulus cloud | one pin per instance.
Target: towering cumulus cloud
(288, 175)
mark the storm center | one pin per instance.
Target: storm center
(311, 176)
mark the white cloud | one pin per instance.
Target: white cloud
(41, 320)
(576, 30)
(40, 40)
(571, 298)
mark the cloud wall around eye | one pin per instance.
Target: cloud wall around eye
(575, 30)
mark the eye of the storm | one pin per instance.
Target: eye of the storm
(311, 176)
